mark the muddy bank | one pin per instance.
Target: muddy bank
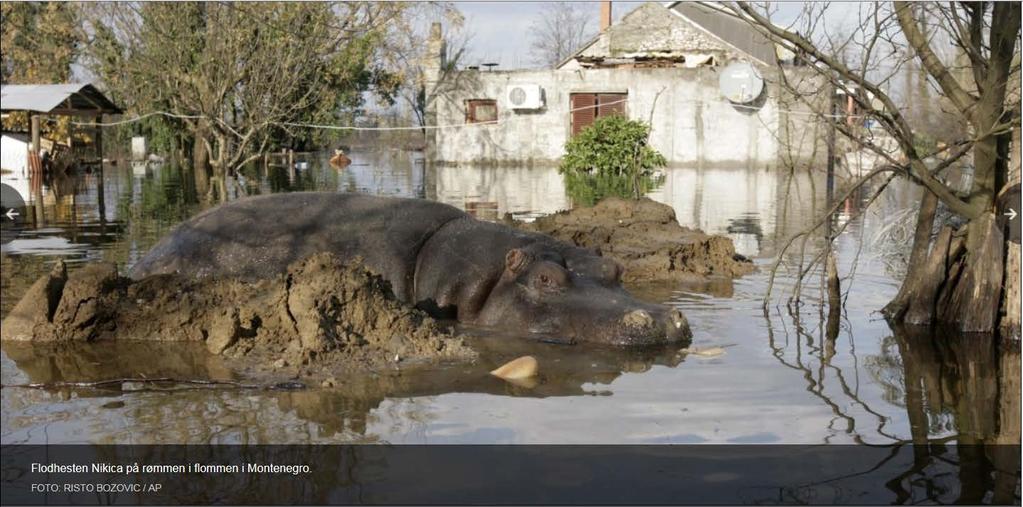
(321, 316)
(646, 238)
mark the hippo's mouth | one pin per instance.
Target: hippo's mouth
(636, 328)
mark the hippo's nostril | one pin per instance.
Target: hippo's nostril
(638, 318)
(676, 318)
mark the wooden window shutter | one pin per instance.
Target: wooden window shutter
(583, 111)
(611, 103)
(481, 111)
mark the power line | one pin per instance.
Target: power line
(457, 125)
(140, 118)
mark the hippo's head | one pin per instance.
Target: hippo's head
(580, 300)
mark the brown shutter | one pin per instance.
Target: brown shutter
(611, 103)
(583, 111)
(481, 111)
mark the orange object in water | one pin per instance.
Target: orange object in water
(340, 160)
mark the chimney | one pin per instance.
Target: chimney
(605, 15)
(435, 45)
(435, 56)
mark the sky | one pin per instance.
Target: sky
(501, 29)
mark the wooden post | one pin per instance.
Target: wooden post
(291, 165)
(831, 268)
(35, 170)
(832, 111)
(98, 139)
(36, 134)
(100, 197)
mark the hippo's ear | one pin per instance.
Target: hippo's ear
(515, 260)
(619, 270)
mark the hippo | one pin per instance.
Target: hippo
(435, 257)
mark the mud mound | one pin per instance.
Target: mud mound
(644, 236)
(323, 314)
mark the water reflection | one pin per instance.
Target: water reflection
(962, 389)
(525, 193)
(941, 385)
(344, 412)
(794, 378)
(959, 391)
(700, 199)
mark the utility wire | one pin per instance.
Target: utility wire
(457, 125)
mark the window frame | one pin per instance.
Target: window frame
(599, 111)
(471, 106)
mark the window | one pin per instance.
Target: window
(481, 111)
(587, 107)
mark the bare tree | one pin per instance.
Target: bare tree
(412, 54)
(558, 31)
(957, 276)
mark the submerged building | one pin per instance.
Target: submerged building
(662, 64)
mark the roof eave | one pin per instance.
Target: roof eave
(579, 51)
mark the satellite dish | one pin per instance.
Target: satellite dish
(740, 83)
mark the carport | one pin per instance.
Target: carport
(81, 100)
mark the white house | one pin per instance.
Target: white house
(662, 64)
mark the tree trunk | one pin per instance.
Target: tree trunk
(200, 165)
(972, 297)
(921, 243)
(920, 309)
(985, 173)
(1010, 324)
(960, 284)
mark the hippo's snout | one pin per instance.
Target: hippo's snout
(655, 326)
(638, 318)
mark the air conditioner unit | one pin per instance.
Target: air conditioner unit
(525, 96)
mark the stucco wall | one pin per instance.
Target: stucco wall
(692, 122)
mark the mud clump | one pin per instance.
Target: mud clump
(644, 236)
(322, 315)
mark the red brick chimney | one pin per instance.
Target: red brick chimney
(605, 15)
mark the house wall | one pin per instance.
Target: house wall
(14, 152)
(692, 122)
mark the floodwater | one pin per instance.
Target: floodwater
(785, 377)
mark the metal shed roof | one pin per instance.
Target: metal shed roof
(80, 98)
(715, 21)
(727, 27)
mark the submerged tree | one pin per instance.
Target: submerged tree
(238, 77)
(970, 53)
(612, 157)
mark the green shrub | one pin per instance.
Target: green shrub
(610, 158)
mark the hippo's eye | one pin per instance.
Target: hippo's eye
(550, 276)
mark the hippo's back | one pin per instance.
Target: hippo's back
(258, 237)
